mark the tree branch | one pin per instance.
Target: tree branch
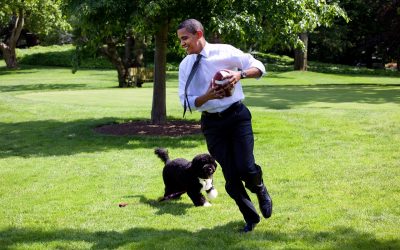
(16, 31)
(3, 46)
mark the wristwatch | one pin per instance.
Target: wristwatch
(243, 74)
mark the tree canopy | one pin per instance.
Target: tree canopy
(373, 32)
(102, 25)
(264, 24)
(39, 16)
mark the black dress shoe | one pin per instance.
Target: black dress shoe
(265, 202)
(249, 227)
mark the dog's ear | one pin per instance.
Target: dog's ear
(212, 161)
(200, 160)
(203, 159)
(197, 163)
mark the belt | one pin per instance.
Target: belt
(224, 113)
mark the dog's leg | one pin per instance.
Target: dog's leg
(207, 204)
(198, 199)
(207, 185)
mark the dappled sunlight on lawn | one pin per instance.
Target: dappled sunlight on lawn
(286, 97)
(100, 98)
(52, 137)
(224, 235)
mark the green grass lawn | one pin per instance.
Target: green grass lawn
(329, 145)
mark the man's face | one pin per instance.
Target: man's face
(190, 42)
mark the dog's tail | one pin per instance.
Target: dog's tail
(163, 154)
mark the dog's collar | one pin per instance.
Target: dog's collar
(207, 184)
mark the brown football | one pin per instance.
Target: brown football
(221, 78)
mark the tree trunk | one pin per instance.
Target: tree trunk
(129, 43)
(110, 51)
(300, 56)
(138, 52)
(9, 47)
(158, 112)
(135, 50)
(9, 56)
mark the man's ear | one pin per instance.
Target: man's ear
(199, 33)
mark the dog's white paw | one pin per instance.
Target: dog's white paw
(207, 204)
(212, 194)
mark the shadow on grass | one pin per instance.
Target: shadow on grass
(288, 96)
(224, 236)
(40, 87)
(4, 71)
(51, 137)
(173, 207)
(278, 75)
(27, 69)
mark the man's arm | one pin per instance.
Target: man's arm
(212, 93)
(252, 72)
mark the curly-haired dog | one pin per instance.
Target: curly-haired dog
(181, 176)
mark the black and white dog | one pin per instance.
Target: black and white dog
(181, 176)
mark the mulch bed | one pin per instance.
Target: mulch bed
(170, 128)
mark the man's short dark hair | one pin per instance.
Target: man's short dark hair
(191, 25)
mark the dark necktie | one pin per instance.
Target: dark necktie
(192, 72)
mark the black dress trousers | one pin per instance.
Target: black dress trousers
(230, 140)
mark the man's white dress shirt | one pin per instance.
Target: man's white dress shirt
(215, 57)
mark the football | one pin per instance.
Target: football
(221, 78)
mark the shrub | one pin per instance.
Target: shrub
(57, 55)
(62, 55)
(346, 69)
(273, 58)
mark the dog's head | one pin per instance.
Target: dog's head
(204, 166)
